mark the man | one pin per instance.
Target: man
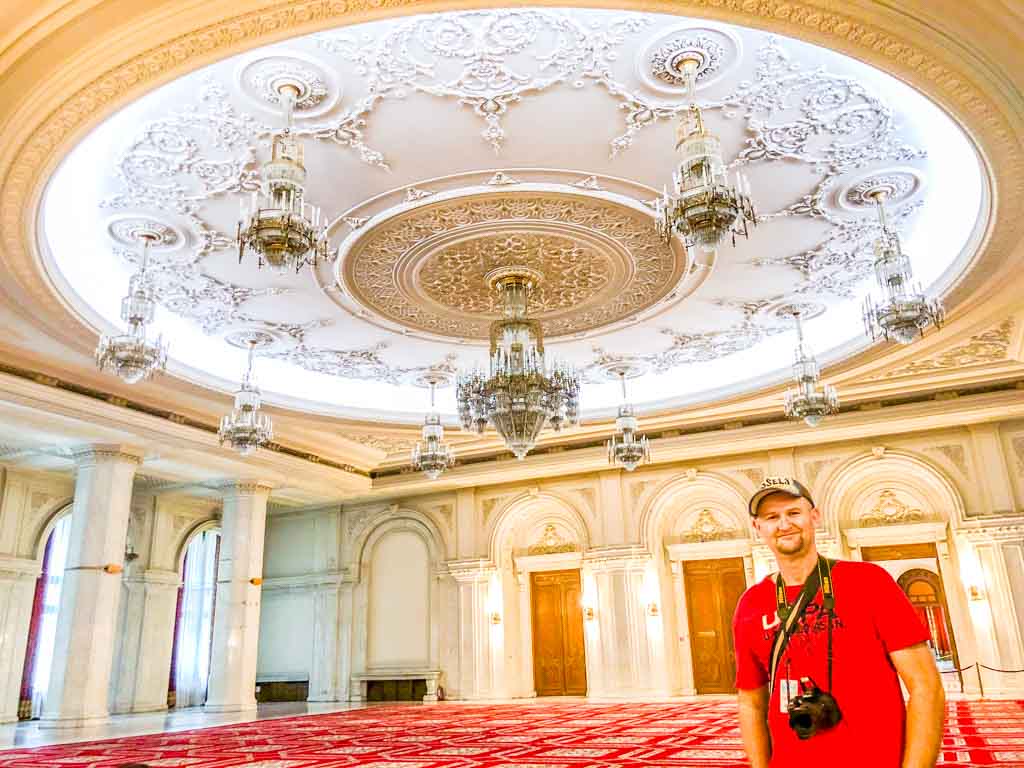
(876, 641)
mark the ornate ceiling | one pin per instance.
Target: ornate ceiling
(440, 144)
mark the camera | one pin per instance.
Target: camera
(813, 710)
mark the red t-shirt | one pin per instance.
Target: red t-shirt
(873, 618)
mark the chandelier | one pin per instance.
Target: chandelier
(278, 225)
(809, 399)
(702, 207)
(431, 454)
(131, 355)
(519, 396)
(245, 429)
(627, 447)
(904, 311)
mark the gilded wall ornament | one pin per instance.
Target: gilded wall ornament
(706, 527)
(551, 542)
(889, 510)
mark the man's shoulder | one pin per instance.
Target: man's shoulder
(758, 592)
(858, 569)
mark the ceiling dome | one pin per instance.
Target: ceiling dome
(439, 144)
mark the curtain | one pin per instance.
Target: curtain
(195, 629)
(57, 558)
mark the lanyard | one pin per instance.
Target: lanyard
(789, 615)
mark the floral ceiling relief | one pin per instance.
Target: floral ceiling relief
(593, 93)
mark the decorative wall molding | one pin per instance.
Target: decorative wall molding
(991, 346)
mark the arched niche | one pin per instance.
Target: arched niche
(534, 531)
(685, 506)
(398, 560)
(890, 488)
(523, 521)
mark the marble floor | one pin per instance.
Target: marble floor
(29, 734)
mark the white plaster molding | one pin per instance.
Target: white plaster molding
(559, 561)
(895, 534)
(710, 550)
(1011, 532)
(306, 582)
(16, 568)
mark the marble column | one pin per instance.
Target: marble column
(17, 592)
(144, 663)
(236, 624)
(87, 617)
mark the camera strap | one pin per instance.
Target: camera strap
(789, 615)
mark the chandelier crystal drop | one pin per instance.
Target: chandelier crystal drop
(519, 396)
(284, 231)
(431, 455)
(904, 311)
(132, 355)
(627, 446)
(702, 206)
(246, 428)
(809, 400)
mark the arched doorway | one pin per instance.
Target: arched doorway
(193, 624)
(924, 589)
(43, 627)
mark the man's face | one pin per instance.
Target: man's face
(786, 523)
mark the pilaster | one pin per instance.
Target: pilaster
(232, 686)
(480, 641)
(144, 662)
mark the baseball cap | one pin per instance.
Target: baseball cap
(771, 485)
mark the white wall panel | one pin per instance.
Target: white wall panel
(399, 604)
(286, 635)
(290, 548)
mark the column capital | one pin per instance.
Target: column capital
(471, 570)
(247, 487)
(100, 453)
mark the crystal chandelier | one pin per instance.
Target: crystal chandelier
(245, 429)
(278, 225)
(627, 447)
(702, 207)
(519, 397)
(809, 399)
(131, 355)
(904, 311)
(431, 454)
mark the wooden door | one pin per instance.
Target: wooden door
(559, 659)
(713, 587)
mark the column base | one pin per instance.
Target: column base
(73, 722)
(218, 708)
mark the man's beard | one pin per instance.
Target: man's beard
(790, 545)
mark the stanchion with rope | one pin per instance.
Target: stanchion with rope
(978, 667)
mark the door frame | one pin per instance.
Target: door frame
(523, 566)
(709, 550)
(579, 580)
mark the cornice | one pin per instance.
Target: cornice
(157, 41)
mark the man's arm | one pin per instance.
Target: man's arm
(926, 708)
(754, 725)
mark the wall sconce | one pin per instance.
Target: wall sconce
(256, 581)
(588, 613)
(974, 592)
(113, 568)
(652, 609)
(495, 618)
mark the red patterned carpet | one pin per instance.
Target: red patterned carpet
(557, 735)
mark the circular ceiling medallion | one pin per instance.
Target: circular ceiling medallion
(898, 186)
(715, 51)
(612, 369)
(129, 231)
(597, 261)
(264, 78)
(259, 338)
(785, 309)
